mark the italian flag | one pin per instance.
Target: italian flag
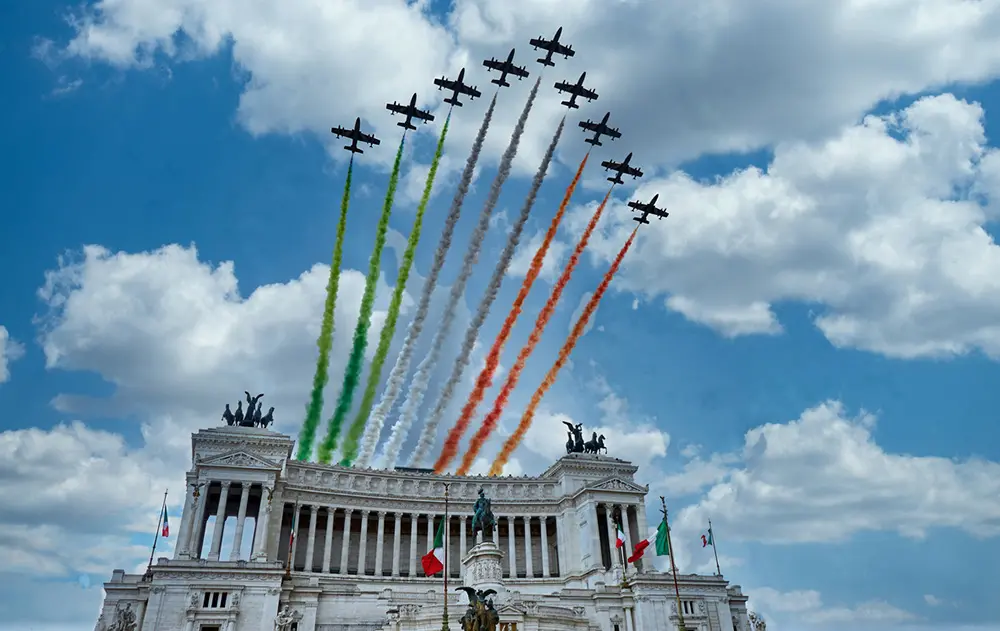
(433, 561)
(165, 531)
(657, 538)
(620, 535)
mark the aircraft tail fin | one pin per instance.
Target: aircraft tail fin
(571, 105)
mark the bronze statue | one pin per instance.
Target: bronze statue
(481, 614)
(595, 445)
(252, 417)
(482, 515)
(578, 445)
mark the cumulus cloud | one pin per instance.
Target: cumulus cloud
(874, 227)
(823, 478)
(731, 76)
(805, 607)
(10, 351)
(551, 262)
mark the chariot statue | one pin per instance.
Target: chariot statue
(481, 614)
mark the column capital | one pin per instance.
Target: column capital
(365, 512)
(464, 518)
(381, 514)
(399, 517)
(314, 509)
(348, 511)
(226, 483)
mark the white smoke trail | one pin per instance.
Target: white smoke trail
(493, 288)
(394, 384)
(421, 379)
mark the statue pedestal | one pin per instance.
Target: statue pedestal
(483, 569)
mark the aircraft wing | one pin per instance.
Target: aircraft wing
(612, 165)
(587, 94)
(562, 86)
(372, 140)
(469, 90)
(447, 84)
(396, 107)
(540, 42)
(493, 64)
(590, 125)
(421, 115)
(341, 132)
(518, 71)
(559, 49)
(634, 171)
(640, 206)
(612, 131)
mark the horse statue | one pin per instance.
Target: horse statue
(595, 444)
(482, 515)
(576, 433)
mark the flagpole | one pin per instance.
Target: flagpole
(718, 572)
(447, 544)
(156, 536)
(673, 566)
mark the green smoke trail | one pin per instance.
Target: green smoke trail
(355, 360)
(357, 428)
(307, 435)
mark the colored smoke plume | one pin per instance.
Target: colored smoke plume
(529, 413)
(357, 427)
(314, 409)
(490, 296)
(397, 376)
(493, 417)
(355, 359)
(422, 378)
(485, 378)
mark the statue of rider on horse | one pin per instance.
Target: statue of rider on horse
(482, 516)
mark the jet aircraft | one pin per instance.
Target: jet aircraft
(622, 168)
(457, 87)
(551, 47)
(600, 129)
(356, 136)
(575, 90)
(410, 111)
(647, 209)
(505, 68)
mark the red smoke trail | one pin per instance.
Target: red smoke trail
(485, 378)
(493, 417)
(529, 413)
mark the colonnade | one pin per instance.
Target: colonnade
(220, 499)
(379, 543)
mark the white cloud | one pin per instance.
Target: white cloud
(805, 607)
(823, 478)
(10, 350)
(871, 226)
(800, 70)
(932, 600)
(551, 262)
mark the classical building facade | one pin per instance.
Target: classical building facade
(353, 563)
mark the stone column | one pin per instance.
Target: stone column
(529, 570)
(363, 548)
(184, 534)
(462, 549)
(311, 542)
(380, 543)
(292, 554)
(612, 551)
(398, 525)
(628, 531)
(260, 527)
(220, 522)
(241, 518)
(430, 531)
(344, 549)
(543, 522)
(412, 571)
(328, 540)
(511, 547)
(640, 519)
(496, 534)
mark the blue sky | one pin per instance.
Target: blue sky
(133, 159)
